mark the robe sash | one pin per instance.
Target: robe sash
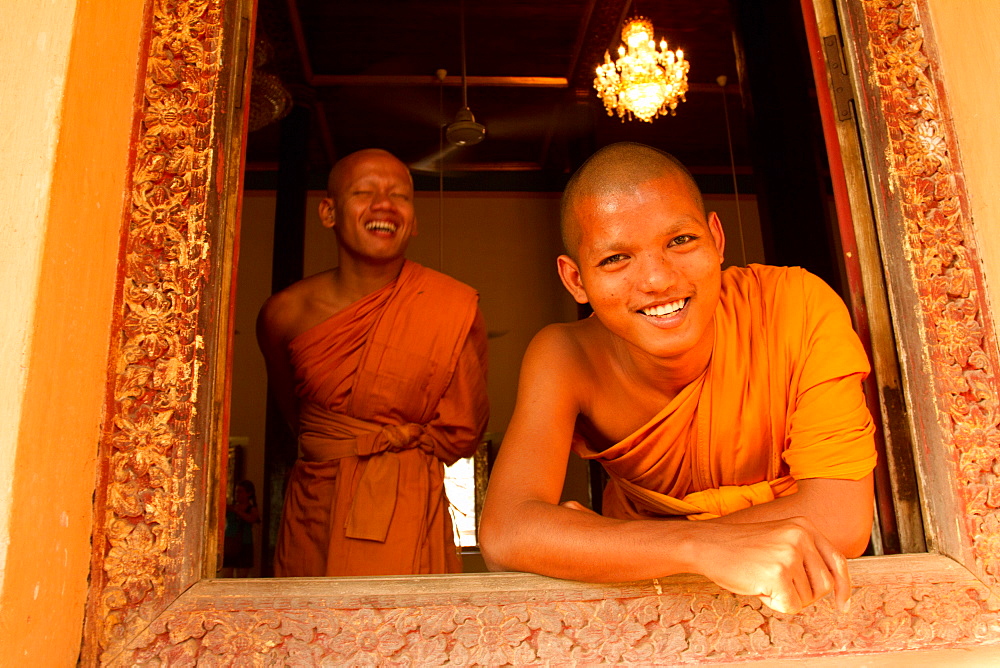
(709, 503)
(325, 436)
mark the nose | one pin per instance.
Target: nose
(658, 273)
(381, 200)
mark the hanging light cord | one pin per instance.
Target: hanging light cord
(732, 164)
(465, 98)
(441, 131)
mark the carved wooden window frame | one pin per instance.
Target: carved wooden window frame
(151, 599)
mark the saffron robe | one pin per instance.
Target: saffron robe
(780, 401)
(390, 389)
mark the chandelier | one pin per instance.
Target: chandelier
(642, 82)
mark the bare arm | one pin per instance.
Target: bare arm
(839, 509)
(787, 562)
(273, 341)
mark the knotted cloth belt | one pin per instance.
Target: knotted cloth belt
(709, 503)
(325, 436)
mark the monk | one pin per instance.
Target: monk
(732, 398)
(379, 366)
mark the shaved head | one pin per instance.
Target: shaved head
(343, 167)
(613, 170)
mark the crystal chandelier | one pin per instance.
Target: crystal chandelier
(642, 82)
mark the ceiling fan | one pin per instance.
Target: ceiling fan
(463, 130)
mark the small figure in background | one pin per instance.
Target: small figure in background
(241, 515)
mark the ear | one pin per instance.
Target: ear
(414, 232)
(715, 227)
(569, 273)
(327, 212)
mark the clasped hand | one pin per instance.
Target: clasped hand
(788, 563)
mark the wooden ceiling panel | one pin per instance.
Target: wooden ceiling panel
(347, 44)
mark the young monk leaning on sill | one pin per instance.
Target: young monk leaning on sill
(728, 397)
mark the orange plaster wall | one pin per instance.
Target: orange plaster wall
(45, 584)
(970, 63)
(32, 80)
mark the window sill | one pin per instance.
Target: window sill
(900, 603)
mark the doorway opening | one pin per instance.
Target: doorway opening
(355, 76)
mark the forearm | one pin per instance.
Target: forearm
(247, 515)
(560, 542)
(784, 562)
(840, 509)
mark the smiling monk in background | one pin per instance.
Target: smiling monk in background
(379, 366)
(729, 397)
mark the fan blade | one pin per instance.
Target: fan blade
(432, 163)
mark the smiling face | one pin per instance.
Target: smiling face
(648, 260)
(370, 206)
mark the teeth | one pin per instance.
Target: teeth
(665, 309)
(381, 226)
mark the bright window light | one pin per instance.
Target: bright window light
(460, 486)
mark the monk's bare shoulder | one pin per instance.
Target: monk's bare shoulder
(291, 311)
(569, 355)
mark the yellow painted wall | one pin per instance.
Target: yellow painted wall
(69, 97)
(970, 63)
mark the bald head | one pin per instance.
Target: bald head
(344, 168)
(612, 171)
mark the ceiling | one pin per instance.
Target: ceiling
(365, 71)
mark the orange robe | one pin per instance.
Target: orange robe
(389, 390)
(780, 401)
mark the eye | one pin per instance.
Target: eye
(612, 259)
(682, 239)
(403, 197)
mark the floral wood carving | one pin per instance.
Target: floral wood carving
(944, 263)
(141, 611)
(149, 457)
(701, 625)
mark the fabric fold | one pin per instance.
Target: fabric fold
(327, 436)
(709, 503)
